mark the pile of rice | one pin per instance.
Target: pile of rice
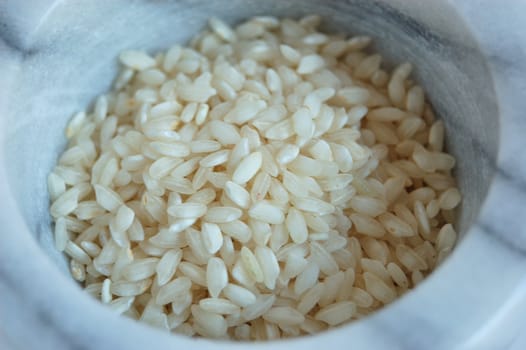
(268, 181)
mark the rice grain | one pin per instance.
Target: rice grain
(216, 276)
(267, 181)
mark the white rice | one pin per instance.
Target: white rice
(239, 295)
(449, 199)
(268, 181)
(311, 298)
(238, 230)
(222, 214)
(216, 276)
(61, 234)
(219, 306)
(336, 313)
(166, 267)
(140, 269)
(65, 203)
(361, 298)
(310, 63)
(307, 278)
(284, 316)
(136, 59)
(170, 291)
(266, 212)
(207, 323)
(247, 168)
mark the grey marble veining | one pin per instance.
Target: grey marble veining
(471, 58)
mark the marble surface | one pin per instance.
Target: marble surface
(475, 300)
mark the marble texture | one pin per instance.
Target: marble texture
(472, 59)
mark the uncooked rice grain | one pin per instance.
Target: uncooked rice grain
(336, 313)
(284, 316)
(166, 267)
(216, 276)
(219, 306)
(267, 181)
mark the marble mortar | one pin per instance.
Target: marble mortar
(56, 56)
